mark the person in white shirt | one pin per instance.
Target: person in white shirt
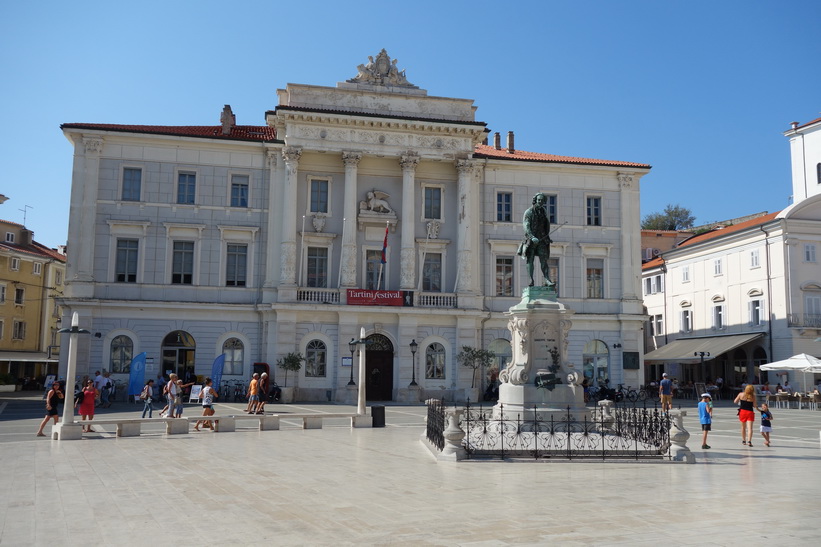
(99, 383)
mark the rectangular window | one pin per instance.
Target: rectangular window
(594, 211)
(550, 205)
(718, 266)
(132, 181)
(504, 276)
(182, 263)
(9, 237)
(718, 317)
(812, 305)
(58, 277)
(504, 207)
(37, 268)
(433, 202)
(754, 259)
(125, 268)
(239, 191)
(685, 274)
(553, 271)
(648, 285)
(2, 294)
(1, 329)
(373, 259)
(755, 312)
(595, 278)
(18, 330)
(809, 252)
(15, 264)
(319, 196)
(318, 267)
(19, 296)
(236, 266)
(686, 321)
(658, 327)
(186, 188)
(432, 273)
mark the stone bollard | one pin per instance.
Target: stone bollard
(607, 419)
(454, 435)
(678, 438)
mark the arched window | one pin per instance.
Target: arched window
(315, 359)
(501, 349)
(122, 351)
(234, 351)
(595, 359)
(435, 362)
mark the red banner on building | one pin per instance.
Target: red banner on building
(365, 297)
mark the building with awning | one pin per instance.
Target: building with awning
(745, 292)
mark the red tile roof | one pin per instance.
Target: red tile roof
(485, 151)
(258, 133)
(35, 249)
(715, 234)
(808, 123)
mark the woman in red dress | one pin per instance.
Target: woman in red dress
(87, 406)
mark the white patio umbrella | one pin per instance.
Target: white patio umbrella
(801, 362)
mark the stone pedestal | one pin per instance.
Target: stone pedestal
(539, 381)
(67, 432)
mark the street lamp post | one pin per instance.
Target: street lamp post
(702, 354)
(352, 347)
(413, 347)
(69, 430)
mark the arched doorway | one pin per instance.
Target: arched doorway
(379, 368)
(178, 349)
(596, 358)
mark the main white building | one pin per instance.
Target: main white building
(255, 241)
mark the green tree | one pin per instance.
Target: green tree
(674, 217)
(292, 361)
(476, 359)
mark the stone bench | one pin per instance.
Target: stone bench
(132, 427)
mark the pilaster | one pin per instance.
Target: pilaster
(291, 155)
(408, 162)
(80, 267)
(271, 158)
(348, 260)
(466, 217)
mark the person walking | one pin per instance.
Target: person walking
(147, 397)
(170, 392)
(99, 382)
(705, 416)
(766, 422)
(86, 407)
(264, 389)
(208, 394)
(53, 398)
(177, 408)
(253, 394)
(105, 392)
(666, 393)
(746, 414)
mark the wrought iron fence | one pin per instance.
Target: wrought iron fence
(436, 423)
(617, 433)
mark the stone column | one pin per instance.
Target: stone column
(274, 205)
(630, 240)
(348, 259)
(287, 260)
(83, 206)
(467, 213)
(408, 162)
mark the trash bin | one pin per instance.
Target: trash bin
(378, 415)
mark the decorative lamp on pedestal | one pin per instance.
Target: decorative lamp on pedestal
(413, 347)
(352, 347)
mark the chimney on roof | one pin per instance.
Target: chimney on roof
(26, 237)
(497, 141)
(510, 148)
(794, 125)
(228, 120)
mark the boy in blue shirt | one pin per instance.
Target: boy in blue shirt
(705, 416)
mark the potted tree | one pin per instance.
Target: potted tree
(7, 382)
(478, 360)
(291, 361)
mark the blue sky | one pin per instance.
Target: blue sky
(701, 90)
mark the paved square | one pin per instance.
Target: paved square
(342, 486)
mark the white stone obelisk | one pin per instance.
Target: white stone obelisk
(360, 409)
(68, 430)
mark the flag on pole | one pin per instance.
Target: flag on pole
(385, 244)
(216, 370)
